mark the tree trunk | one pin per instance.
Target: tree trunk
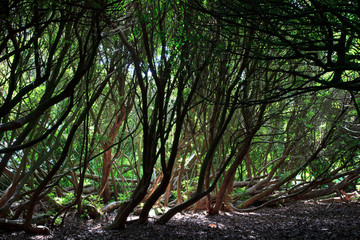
(105, 189)
(248, 165)
(125, 210)
(107, 157)
(230, 175)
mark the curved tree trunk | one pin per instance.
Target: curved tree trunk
(125, 210)
(107, 157)
(230, 175)
(107, 163)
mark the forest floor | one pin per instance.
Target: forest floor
(295, 221)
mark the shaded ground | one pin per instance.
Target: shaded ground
(297, 221)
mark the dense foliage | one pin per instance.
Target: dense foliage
(229, 105)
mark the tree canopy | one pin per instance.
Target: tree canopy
(228, 105)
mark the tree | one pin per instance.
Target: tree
(48, 57)
(166, 93)
(317, 38)
(235, 105)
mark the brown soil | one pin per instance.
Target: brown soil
(296, 221)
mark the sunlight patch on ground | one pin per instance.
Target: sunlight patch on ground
(249, 214)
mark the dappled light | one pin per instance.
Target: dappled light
(239, 119)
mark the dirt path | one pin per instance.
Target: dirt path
(297, 221)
